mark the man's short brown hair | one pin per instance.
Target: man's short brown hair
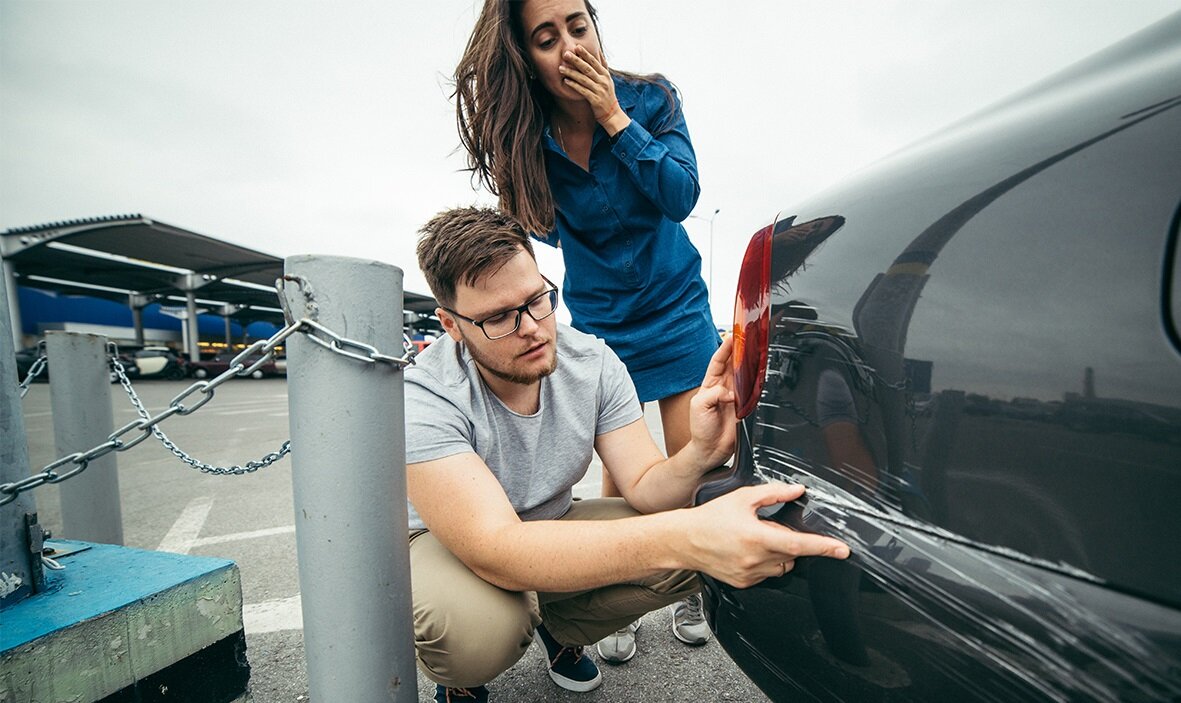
(463, 244)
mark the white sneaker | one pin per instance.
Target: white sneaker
(689, 624)
(620, 645)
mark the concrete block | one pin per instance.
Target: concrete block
(119, 621)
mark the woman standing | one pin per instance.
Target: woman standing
(598, 162)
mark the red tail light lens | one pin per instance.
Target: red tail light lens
(752, 320)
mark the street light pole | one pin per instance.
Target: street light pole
(710, 282)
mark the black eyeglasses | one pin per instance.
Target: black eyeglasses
(504, 323)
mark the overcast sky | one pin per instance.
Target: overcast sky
(327, 127)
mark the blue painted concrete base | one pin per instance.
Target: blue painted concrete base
(115, 616)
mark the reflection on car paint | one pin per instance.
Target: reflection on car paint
(941, 597)
(1038, 612)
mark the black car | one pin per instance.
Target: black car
(970, 355)
(26, 360)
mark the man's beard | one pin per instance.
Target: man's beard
(509, 375)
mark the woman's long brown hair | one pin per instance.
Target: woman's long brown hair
(501, 112)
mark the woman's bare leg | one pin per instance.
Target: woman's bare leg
(689, 624)
(674, 417)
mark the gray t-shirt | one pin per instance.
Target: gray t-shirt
(536, 458)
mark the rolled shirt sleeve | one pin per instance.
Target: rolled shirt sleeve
(663, 167)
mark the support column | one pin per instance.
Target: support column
(80, 397)
(137, 303)
(16, 572)
(194, 337)
(14, 304)
(190, 283)
(349, 475)
(137, 321)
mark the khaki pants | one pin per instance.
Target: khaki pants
(467, 631)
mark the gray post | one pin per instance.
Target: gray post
(348, 469)
(14, 303)
(16, 572)
(137, 303)
(137, 321)
(191, 324)
(80, 398)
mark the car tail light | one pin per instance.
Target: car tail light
(752, 319)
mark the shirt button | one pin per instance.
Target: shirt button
(606, 208)
(627, 264)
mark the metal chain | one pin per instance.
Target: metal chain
(236, 368)
(146, 425)
(36, 369)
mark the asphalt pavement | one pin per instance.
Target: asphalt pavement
(249, 519)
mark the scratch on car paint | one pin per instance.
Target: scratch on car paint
(1043, 622)
(838, 497)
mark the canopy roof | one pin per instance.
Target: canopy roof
(118, 256)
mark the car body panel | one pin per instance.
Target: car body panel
(971, 366)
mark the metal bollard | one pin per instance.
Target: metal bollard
(16, 568)
(80, 396)
(349, 475)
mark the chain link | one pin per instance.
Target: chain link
(36, 369)
(147, 424)
(330, 340)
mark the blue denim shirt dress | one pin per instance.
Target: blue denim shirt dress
(633, 278)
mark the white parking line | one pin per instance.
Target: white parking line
(273, 615)
(255, 403)
(247, 411)
(183, 534)
(234, 537)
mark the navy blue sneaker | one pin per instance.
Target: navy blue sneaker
(568, 666)
(479, 694)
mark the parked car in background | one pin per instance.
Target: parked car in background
(970, 355)
(26, 362)
(26, 359)
(155, 362)
(221, 363)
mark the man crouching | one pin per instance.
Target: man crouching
(503, 415)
